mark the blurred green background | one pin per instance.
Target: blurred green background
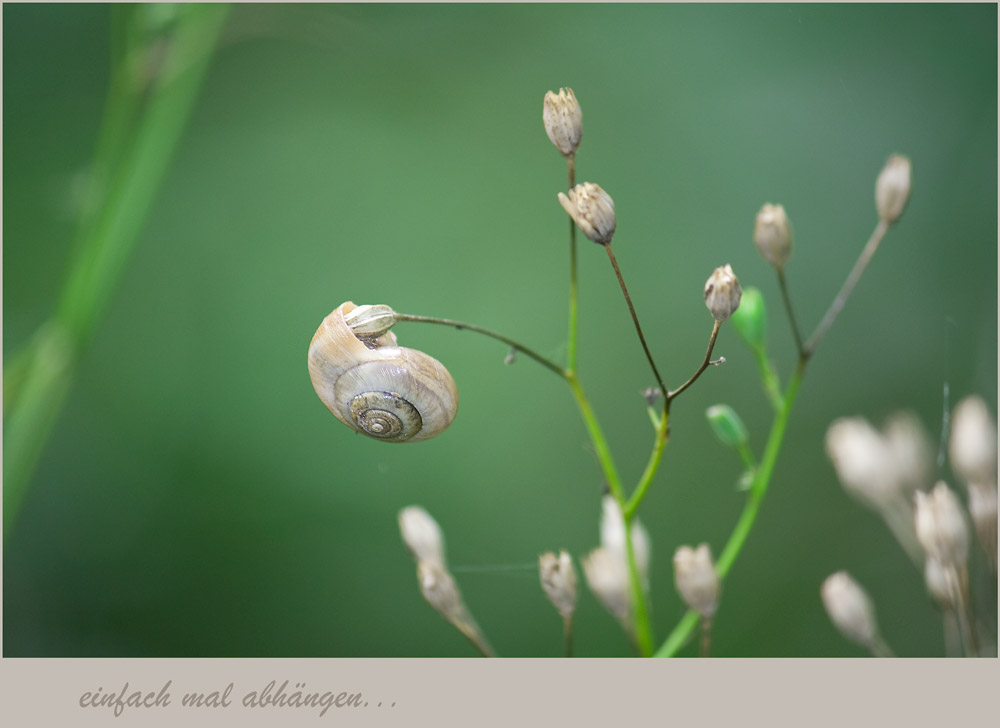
(196, 499)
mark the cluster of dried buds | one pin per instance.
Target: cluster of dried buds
(593, 210)
(890, 472)
(424, 539)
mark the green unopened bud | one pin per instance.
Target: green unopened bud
(563, 120)
(593, 211)
(727, 425)
(892, 188)
(722, 293)
(750, 319)
(772, 234)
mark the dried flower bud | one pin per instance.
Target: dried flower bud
(422, 535)
(939, 585)
(772, 234)
(973, 443)
(607, 577)
(606, 568)
(559, 581)
(892, 189)
(863, 460)
(592, 209)
(563, 120)
(750, 319)
(941, 527)
(722, 293)
(696, 579)
(983, 509)
(613, 537)
(440, 590)
(909, 448)
(370, 322)
(849, 608)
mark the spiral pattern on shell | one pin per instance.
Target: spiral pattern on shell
(386, 391)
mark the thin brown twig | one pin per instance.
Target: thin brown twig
(635, 318)
(704, 364)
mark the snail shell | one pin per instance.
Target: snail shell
(378, 388)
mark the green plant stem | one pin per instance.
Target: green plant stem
(640, 617)
(106, 235)
(758, 489)
(662, 425)
(659, 444)
(635, 318)
(746, 455)
(573, 283)
(601, 449)
(772, 387)
(654, 418)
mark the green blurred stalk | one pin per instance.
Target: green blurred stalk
(160, 54)
(762, 477)
(640, 614)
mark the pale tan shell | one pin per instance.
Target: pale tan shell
(388, 392)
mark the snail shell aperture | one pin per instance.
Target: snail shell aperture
(377, 387)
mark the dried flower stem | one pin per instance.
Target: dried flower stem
(879, 648)
(471, 632)
(959, 584)
(847, 288)
(635, 318)
(704, 364)
(573, 290)
(547, 363)
(791, 313)
(706, 637)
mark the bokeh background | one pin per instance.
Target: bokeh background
(196, 499)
